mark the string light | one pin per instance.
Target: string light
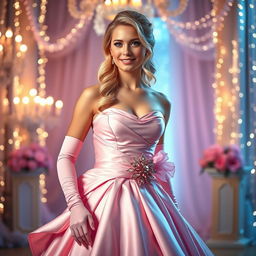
(226, 99)
(226, 89)
(233, 104)
(193, 42)
(42, 57)
(218, 83)
(165, 12)
(215, 22)
(45, 103)
(44, 106)
(247, 41)
(17, 87)
(12, 50)
(41, 36)
(43, 190)
(85, 8)
(28, 109)
(208, 20)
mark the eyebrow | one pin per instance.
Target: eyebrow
(120, 40)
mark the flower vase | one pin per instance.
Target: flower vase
(26, 200)
(228, 201)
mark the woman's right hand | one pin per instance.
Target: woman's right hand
(81, 223)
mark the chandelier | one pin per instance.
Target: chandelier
(107, 9)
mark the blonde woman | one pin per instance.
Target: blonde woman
(125, 204)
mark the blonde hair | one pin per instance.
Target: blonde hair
(108, 73)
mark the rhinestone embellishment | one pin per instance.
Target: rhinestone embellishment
(142, 169)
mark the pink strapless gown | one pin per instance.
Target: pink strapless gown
(131, 219)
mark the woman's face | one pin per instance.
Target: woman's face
(126, 48)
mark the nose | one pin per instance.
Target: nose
(126, 49)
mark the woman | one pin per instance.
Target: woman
(124, 205)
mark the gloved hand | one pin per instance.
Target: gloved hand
(79, 214)
(80, 220)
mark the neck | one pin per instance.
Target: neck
(130, 80)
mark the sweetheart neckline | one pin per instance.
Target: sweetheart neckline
(131, 114)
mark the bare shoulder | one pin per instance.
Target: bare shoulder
(90, 93)
(83, 112)
(163, 102)
(165, 106)
(88, 97)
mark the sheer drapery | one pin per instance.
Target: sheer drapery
(186, 77)
(191, 122)
(67, 74)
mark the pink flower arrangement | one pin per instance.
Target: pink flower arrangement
(225, 159)
(29, 158)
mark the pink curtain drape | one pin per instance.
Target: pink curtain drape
(67, 74)
(191, 122)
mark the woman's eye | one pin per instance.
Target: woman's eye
(117, 44)
(136, 43)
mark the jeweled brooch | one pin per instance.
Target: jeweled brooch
(142, 169)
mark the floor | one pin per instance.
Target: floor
(15, 252)
(250, 251)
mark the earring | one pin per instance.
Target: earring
(112, 61)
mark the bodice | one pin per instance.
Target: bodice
(120, 135)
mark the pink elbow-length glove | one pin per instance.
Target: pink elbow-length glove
(166, 170)
(67, 175)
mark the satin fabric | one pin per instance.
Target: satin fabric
(130, 219)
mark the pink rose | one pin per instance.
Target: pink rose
(9, 162)
(233, 163)
(22, 163)
(212, 153)
(16, 169)
(231, 154)
(29, 157)
(40, 156)
(209, 156)
(221, 162)
(28, 153)
(16, 153)
(32, 165)
(13, 164)
(203, 163)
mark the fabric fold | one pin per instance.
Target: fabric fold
(129, 219)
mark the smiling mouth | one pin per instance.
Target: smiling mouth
(127, 61)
